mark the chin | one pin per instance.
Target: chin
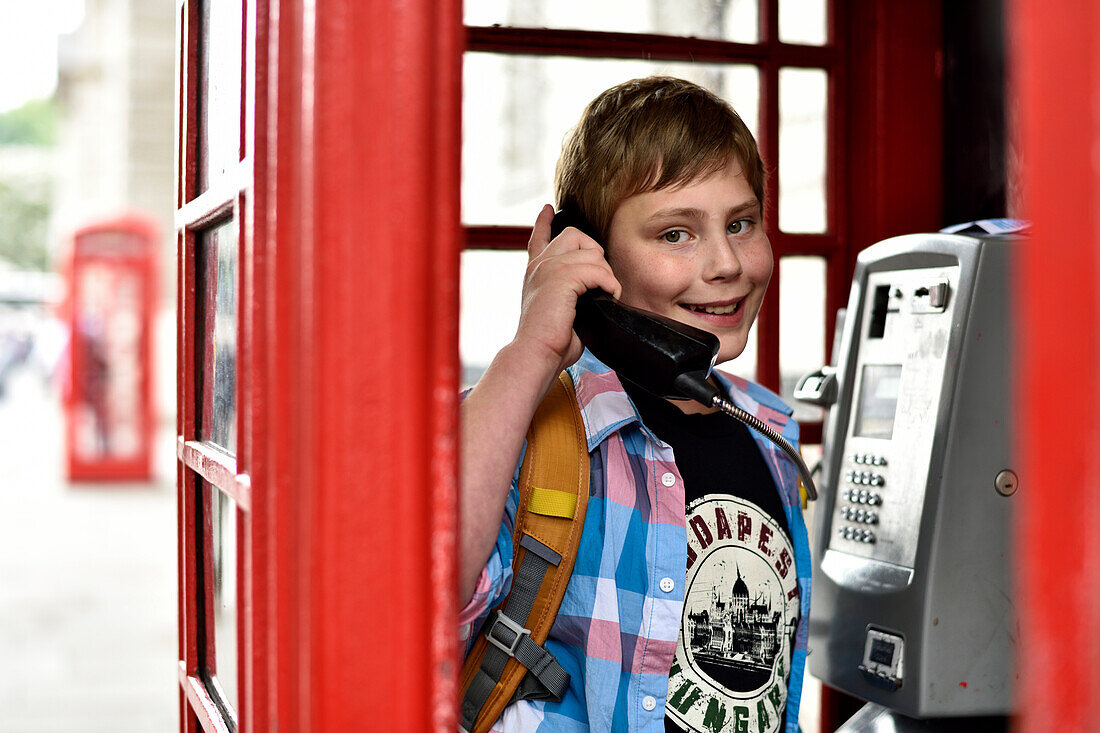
(730, 353)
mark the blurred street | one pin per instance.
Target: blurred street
(87, 582)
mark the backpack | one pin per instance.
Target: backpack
(507, 661)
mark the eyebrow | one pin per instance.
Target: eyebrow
(690, 212)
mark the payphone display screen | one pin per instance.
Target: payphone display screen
(878, 400)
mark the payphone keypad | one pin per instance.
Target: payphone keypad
(858, 498)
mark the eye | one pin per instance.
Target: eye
(676, 236)
(739, 226)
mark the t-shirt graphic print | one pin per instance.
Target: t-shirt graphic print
(741, 611)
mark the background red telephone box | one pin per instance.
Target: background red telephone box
(109, 413)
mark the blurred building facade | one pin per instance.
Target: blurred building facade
(116, 133)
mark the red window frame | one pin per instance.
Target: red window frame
(204, 468)
(769, 55)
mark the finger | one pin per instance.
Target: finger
(540, 233)
(571, 239)
(563, 265)
(589, 274)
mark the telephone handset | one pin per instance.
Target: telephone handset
(663, 356)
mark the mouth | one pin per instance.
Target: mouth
(723, 308)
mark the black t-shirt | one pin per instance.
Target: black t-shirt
(740, 610)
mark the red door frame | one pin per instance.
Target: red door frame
(355, 286)
(1057, 77)
(347, 202)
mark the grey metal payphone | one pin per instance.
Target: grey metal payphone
(913, 600)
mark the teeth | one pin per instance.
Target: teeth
(721, 311)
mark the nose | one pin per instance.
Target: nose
(722, 260)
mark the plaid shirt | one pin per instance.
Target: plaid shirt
(616, 631)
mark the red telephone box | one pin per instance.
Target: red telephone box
(109, 430)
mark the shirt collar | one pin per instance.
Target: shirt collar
(606, 407)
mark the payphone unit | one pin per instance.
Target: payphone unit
(913, 600)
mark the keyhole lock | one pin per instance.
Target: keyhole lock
(1006, 483)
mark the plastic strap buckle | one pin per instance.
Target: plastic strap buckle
(518, 632)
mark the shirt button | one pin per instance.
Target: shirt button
(668, 479)
(667, 585)
(649, 702)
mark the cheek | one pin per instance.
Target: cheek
(758, 264)
(650, 283)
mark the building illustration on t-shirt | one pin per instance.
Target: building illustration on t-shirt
(740, 616)
(737, 632)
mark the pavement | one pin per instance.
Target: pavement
(87, 583)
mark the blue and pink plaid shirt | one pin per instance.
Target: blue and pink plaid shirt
(616, 631)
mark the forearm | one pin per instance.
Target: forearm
(495, 417)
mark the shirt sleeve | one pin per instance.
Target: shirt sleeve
(495, 579)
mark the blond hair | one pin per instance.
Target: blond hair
(646, 135)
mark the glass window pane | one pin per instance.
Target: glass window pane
(219, 419)
(224, 525)
(518, 109)
(801, 327)
(491, 284)
(728, 20)
(107, 413)
(802, 146)
(220, 106)
(803, 21)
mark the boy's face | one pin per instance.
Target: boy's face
(697, 254)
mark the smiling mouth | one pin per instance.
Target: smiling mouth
(716, 310)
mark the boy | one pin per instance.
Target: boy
(688, 603)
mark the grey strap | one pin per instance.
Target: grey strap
(545, 678)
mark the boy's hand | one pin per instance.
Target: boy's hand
(558, 272)
(498, 411)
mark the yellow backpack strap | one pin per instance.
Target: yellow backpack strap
(508, 660)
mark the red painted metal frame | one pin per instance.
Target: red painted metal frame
(602, 44)
(894, 134)
(141, 263)
(202, 469)
(1056, 65)
(353, 282)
